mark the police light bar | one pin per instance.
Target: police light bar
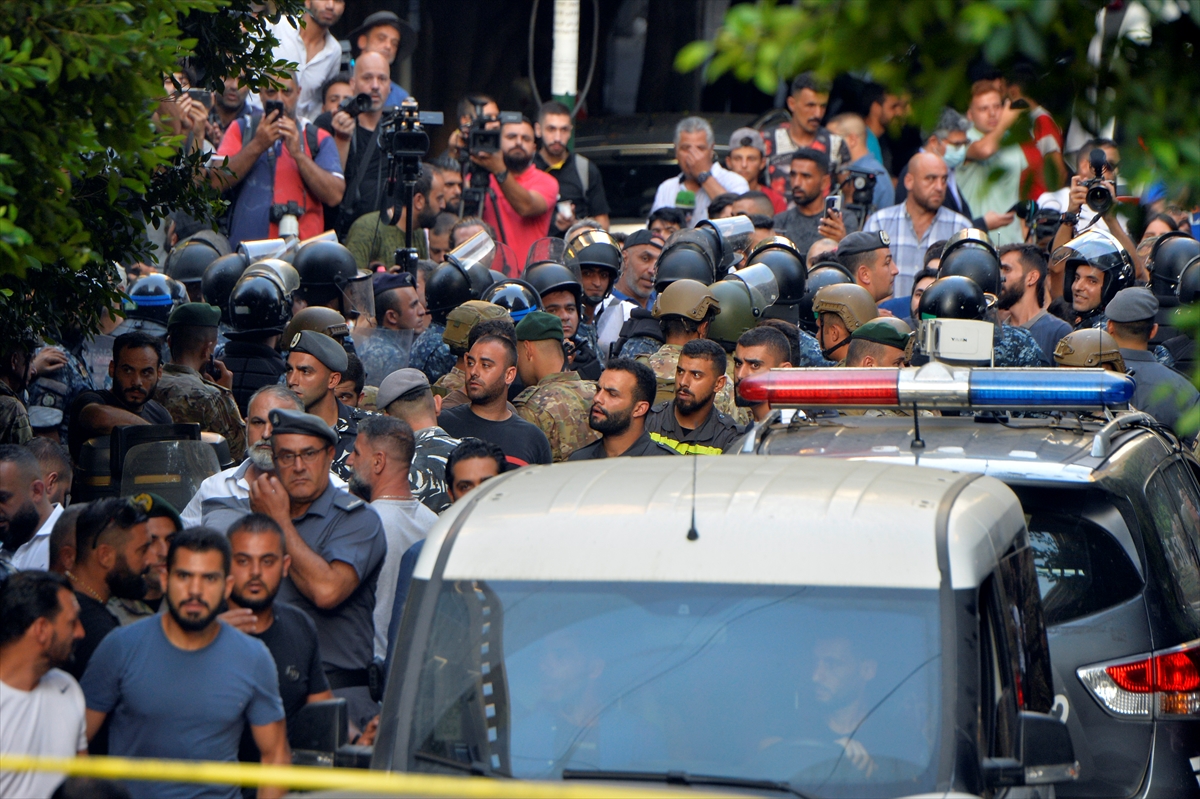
(938, 386)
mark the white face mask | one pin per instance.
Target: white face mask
(955, 155)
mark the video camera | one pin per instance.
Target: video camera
(862, 187)
(1099, 198)
(358, 104)
(405, 142)
(482, 135)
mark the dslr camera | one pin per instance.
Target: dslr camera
(1099, 198)
(358, 104)
(862, 187)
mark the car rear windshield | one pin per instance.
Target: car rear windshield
(834, 690)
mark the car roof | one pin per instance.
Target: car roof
(1015, 450)
(760, 519)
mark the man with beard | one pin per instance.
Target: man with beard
(234, 482)
(111, 542)
(26, 513)
(259, 564)
(135, 370)
(181, 685)
(371, 241)
(579, 180)
(759, 350)
(491, 369)
(806, 221)
(520, 197)
(162, 523)
(918, 221)
(690, 424)
(315, 367)
(1023, 289)
(623, 398)
(42, 706)
(230, 104)
(806, 104)
(313, 48)
(381, 461)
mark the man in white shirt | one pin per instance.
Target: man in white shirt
(25, 508)
(42, 708)
(314, 48)
(701, 173)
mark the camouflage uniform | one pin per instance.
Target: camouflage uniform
(189, 397)
(664, 361)
(810, 352)
(427, 476)
(59, 388)
(639, 345)
(452, 388)
(1016, 346)
(14, 420)
(347, 430)
(383, 352)
(560, 405)
(430, 354)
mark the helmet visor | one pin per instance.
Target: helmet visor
(263, 248)
(762, 284)
(477, 250)
(1094, 247)
(359, 297)
(547, 250)
(735, 232)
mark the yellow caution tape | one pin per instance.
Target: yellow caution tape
(315, 778)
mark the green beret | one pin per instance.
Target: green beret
(155, 506)
(885, 330)
(285, 422)
(325, 349)
(194, 314)
(539, 326)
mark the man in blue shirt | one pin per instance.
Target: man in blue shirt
(853, 131)
(181, 684)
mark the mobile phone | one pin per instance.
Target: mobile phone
(833, 204)
(565, 210)
(1019, 104)
(201, 96)
(270, 106)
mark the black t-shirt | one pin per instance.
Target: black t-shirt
(522, 442)
(364, 156)
(292, 642)
(97, 623)
(152, 412)
(570, 188)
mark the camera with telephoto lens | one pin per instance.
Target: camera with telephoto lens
(290, 208)
(862, 187)
(482, 136)
(1099, 197)
(358, 104)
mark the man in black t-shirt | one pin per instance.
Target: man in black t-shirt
(135, 370)
(260, 562)
(579, 180)
(491, 369)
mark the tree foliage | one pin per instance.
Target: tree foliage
(82, 166)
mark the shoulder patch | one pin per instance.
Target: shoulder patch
(523, 397)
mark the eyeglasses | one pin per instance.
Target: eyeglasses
(308, 457)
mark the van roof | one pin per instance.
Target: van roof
(777, 520)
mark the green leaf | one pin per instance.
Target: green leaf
(693, 55)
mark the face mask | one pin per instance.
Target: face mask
(955, 155)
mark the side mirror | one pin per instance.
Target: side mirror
(319, 727)
(1047, 755)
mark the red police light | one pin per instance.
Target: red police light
(809, 388)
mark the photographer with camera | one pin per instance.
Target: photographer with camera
(853, 131)
(520, 197)
(280, 165)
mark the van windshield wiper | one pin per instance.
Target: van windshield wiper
(683, 778)
(475, 767)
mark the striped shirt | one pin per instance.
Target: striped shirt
(907, 250)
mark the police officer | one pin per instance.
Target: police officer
(618, 413)
(399, 319)
(152, 298)
(960, 297)
(558, 402)
(1089, 348)
(185, 391)
(1169, 257)
(459, 324)
(406, 395)
(319, 320)
(868, 259)
(463, 277)
(1161, 392)
(1095, 268)
(327, 270)
(217, 283)
(315, 366)
(187, 261)
(259, 310)
(562, 295)
(690, 423)
(839, 310)
(597, 258)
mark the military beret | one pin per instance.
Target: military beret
(285, 422)
(321, 347)
(1132, 305)
(539, 326)
(885, 330)
(386, 281)
(861, 241)
(399, 383)
(195, 314)
(155, 506)
(643, 236)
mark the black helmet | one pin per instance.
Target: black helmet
(731, 238)
(817, 279)
(1169, 255)
(446, 289)
(1188, 290)
(548, 277)
(952, 297)
(257, 305)
(687, 255)
(1101, 251)
(187, 261)
(515, 296)
(324, 268)
(595, 248)
(782, 257)
(969, 253)
(154, 297)
(474, 259)
(219, 279)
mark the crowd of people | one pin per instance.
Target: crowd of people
(350, 401)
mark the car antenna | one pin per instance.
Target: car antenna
(917, 442)
(692, 534)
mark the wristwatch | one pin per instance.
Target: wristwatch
(1068, 218)
(501, 177)
(703, 177)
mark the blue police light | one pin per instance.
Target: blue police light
(1070, 388)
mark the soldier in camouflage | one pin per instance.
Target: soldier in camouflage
(186, 393)
(558, 402)
(406, 395)
(62, 380)
(15, 371)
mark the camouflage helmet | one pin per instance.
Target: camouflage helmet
(461, 320)
(1090, 347)
(850, 301)
(688, 298)
(320, 319)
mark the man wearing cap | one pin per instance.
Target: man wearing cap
(1161, 392)
(634, 287)
(314, 368)
(747, 157)
(558, 402)
(690, 423)
(337, 546)
(189, 394)
(618, 413)
(406, 395)
(399, 318)
(313, 48)
(579, 180)
(385, 33)
(868, 259)
(884, 342)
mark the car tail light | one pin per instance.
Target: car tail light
(1164, 684)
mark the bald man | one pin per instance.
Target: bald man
(919, 221)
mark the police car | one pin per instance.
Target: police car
(761, 625)
(1113, 510)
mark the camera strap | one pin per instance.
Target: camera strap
(360, 169)
(311, 139)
